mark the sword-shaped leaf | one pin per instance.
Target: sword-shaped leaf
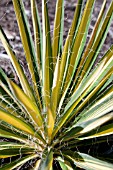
(31, 108)
(47, 163)
(19, 71)
(47, 62)
(105, 130)
(37, 34)
(18, 162)
(92, 38)
(98, 74)
(10, 152)
(86, 126)
(16, 122)
(10, 135)
(58, 30)
(80, 40)
(27, 44)
(83, 160)
(67, 47)
(87, 65)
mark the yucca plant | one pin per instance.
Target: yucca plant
(68, 103)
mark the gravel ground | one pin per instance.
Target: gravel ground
(9, 24)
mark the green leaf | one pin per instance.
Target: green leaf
(107, 107)
(47, 62)
(16, 122)
(91, 163)
(100, 107)
(67, 47)
(66, 163)
(86, 126)
(91, 41)
(86, 161)
(11, 145)
(19, 71)
(50, 123)
(47, 163)
(37, 165)
(37, 34)
(76, 50)
(58, 30)
(62, 163)
(5, 93)
(94, 78)
(9, 106)
(102, 131)
(80, 40)
(8, 133)
(10, 109)
(91, 82)
(9, 152)
(54, 94)
(27, 44)
(18, 162)
(68, 99)
(97, 43)
(32, 109)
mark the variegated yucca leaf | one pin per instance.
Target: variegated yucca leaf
(69, 103)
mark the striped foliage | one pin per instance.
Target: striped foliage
(69, 103)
